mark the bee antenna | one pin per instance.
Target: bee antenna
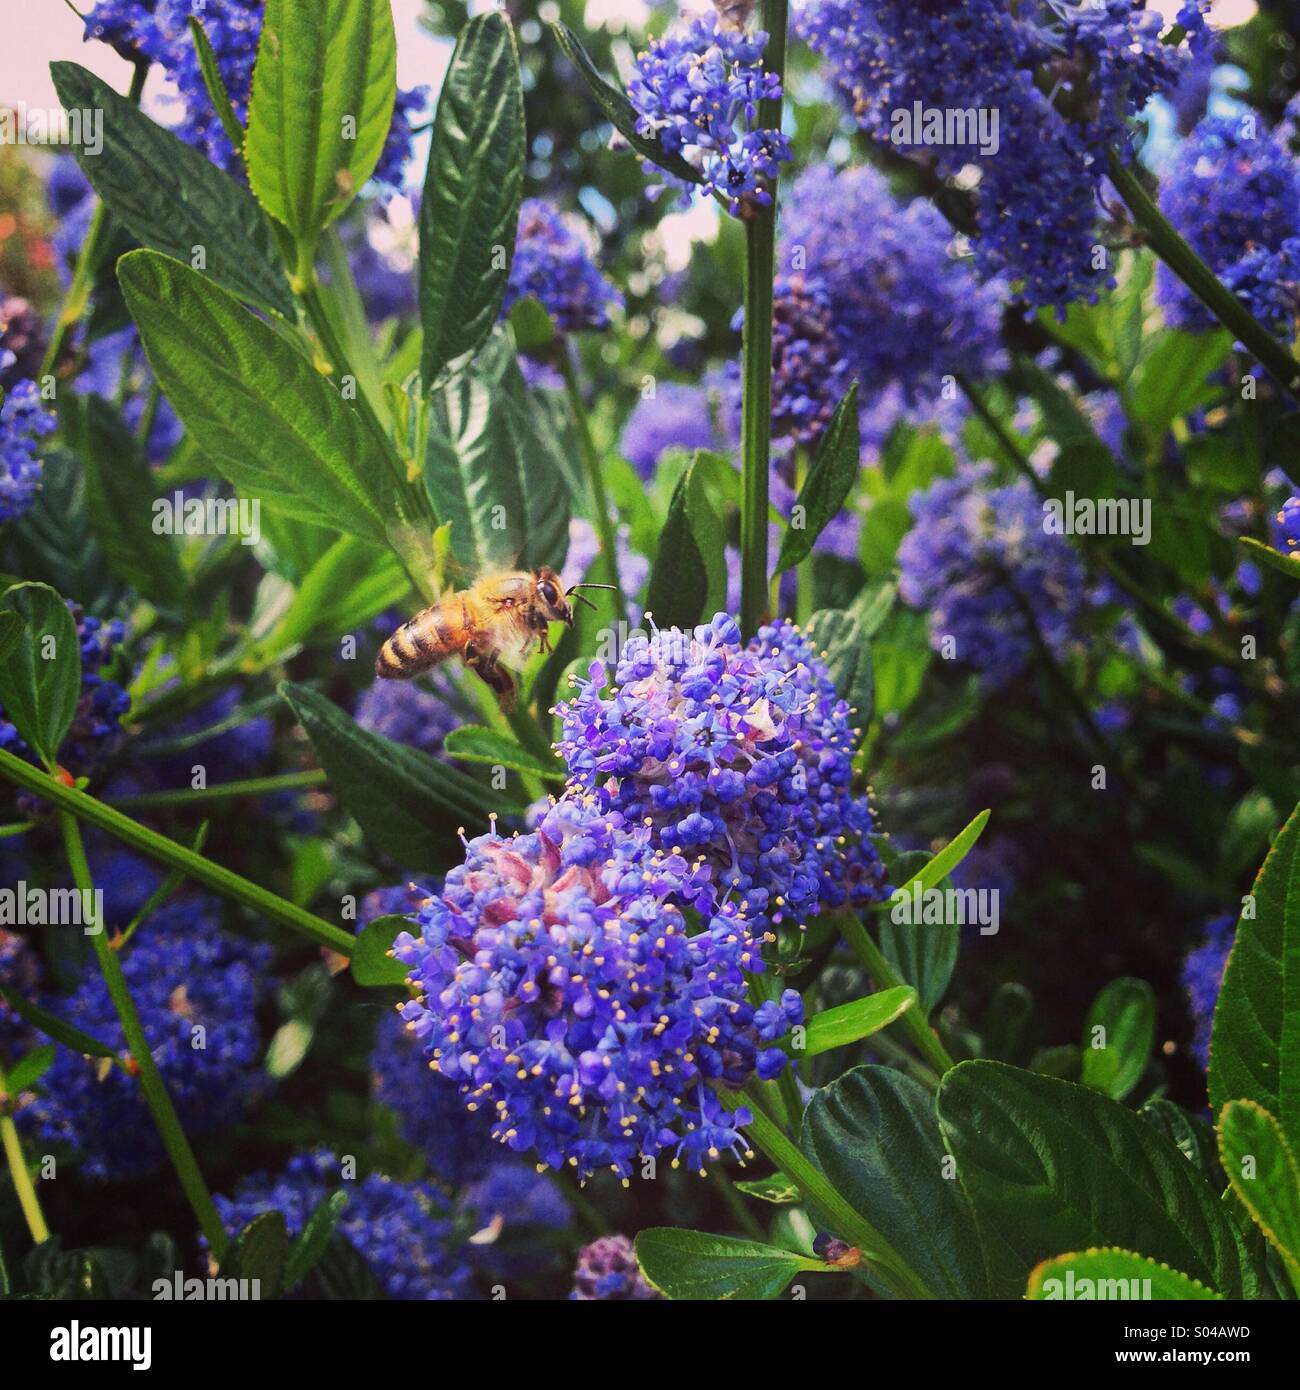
(573, 588)
(581, 599)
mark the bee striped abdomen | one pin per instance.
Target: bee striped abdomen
(430, 637)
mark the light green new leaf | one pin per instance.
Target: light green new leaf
(775, 1188)
(1112, 1274)
(695, 1265)
(171, 197)
(1118, 1036)
(851, 1022)
(829, 480)
(472, 743)
(935, 870)
(471, 195)
(1274, 559)
(371, 964)
(324, 84)
(262, 414)
(1255, 1044)
(40, 678)
(28, 1069)
(1263, 1172)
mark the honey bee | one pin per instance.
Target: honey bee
(497, 620)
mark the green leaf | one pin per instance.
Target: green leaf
(371, 964)
(1266, 555)
(1177, 376)
(1112, 1274)
(1192, 1135)
(260, 1252)
(40, 679)
(838, 635)
(873, 1134)
(11, 629)
(775, 1188)
(618, 110)
(1118, 1035)
(829, 480)
(850, 1023)
(695, 1265)
(323, 90)
(472, 743)
(258, 409)
(1255, 1044)
(172, 198)
(935, 870)
(1262, 1169)
(492, 471)
(216, 87)
(688, 581)
(28, 1069)
(53, 1026)
(120, 497)
(407, 803)
(471, 195)
(341, 1274)
(1047, 1163)
(313, 1239)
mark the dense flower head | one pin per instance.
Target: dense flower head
(407, 713)
(554, 264)
(563, 990)
(607, 1269)
(157, 30)
(24, 422)
(403, 1230)
(196, 988)
(900, 307)
(1036, 201)
(1202, 978)
(697, 91)
(979, 562)
(1286, 527)
(1234, 193)
(809, 370)
(738, 757)
(676, 416)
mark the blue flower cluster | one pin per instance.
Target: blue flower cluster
(1234, 193)
(1202, 978)
(607, 1269)
(697, 91)
(24, 421)
(902, 309)
(553, 263)
(196, 988)
(404, 712)
(738, 756)
(677, 416)
(158, 30)
(1036, 202)
(1286, 527)
(810, 372)
(980, 564)
(403, 1230)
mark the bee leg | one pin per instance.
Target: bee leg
(486, 666)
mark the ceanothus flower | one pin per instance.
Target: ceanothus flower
(677, 416)
(738, 757)
(196, 988)
(810, 372)
(697, 91)
(1202, 978)
(554, 264)
(980, 563)
(565, 993)
(1286, 527)
(24, 422)
(403, 1230)
(406, 713)
(607, 1269)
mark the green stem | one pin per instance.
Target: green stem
(913, 1021)
(803, 572)
(251, 786)
(756, 350)
(601, 515)
(28, 1201)
(151, 1082)
(1172, 248)
(819, 1193)
(194, 866)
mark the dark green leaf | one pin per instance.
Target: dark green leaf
(829, 480)
(1263, 1172)
(1047, 1163)
(1113, 1274)
(216, 87)
(1118, 1036)
(471, 195)
(342, 1274)
(40, 679)
(313, 1239)
(837, 634)
(28, 1069)
(171, 197)
(695, 1265)
(472, 743)
(371, 963)
(11, 629)
(1190, 1134)
(260, 1251)
(688, 578)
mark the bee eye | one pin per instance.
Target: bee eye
(549, 593)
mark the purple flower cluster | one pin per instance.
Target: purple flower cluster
(810, 372)
(980, 563)
(196, 988)
(403, 1230)
(553, 263)
(1286, 527)
(157, 30)
(404, 712)
(1234, 193)
(607, 1269)
(1036, 202)
(677, 416)
(24, 422)
(697, 91)
(1202, 978)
